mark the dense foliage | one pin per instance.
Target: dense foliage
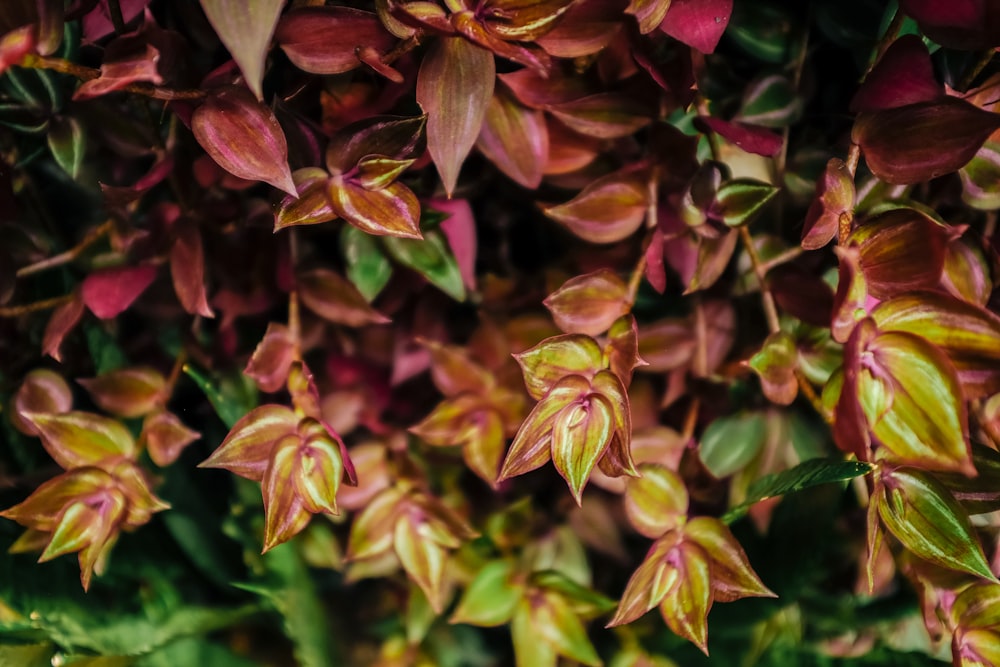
(407, 333)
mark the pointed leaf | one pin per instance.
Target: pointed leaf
(165, 437)
(318, 469)
(187, 268)
(903, 75)
(588, 304)
(373, 528)
(127, 392)
(76, 438)
(698, 23)
(580, 434)
(272, 358)
(109, 292)
(392, 137)
(751, 138)
(490, 598)
(326, 40)
(246, 29)
(459, 229)
(393, 210)
(515, 139)
(312, 203)
(732, 576)
(775, 365)
(68, 143)
(423, 560)
(655, 502)
(622, 349)
(243, 136)
(333, 298)
(685, 607)
(603, 115)
(529, 649)
(713, 258)
(430, 258)
(559, 626)
(832, 203)
(367, 266)
(63, 319)
(648, 13)
(454, 89)
(649, 584)
(285, 514)
(740, 201)
(550, 361)
(920, 512)
(246, 451)
(921, 141)
(608, 210)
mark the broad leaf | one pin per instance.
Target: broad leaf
(246, 29)
(430, 258)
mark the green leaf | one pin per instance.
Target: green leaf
(432, 259)
(739, 201)
(194, 651)
(68, 143)
(367, 266)
(490, 598)
(231, 400)
(29, 655)
(104, 350)
(730, 443)
(808, 473)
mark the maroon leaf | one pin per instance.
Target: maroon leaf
(698, 23)
(751, 138)
(713, 258)
(588, 304)
(515, 139)
(127, 392)
(244, 138)
(918, 142)
(325, 40)
(522, 20)
(962, 24)
(454, 89)
(312, 204)
(246, 29)
(334, 298)
(109, 292)
(187, 268)
(904, 75)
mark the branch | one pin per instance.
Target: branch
(68, 256)
(89, 73)
(770, 309)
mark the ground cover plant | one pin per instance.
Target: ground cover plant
(535, 332)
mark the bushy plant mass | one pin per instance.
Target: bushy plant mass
(466, 333)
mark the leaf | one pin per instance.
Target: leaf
(920, 512)
(515, 139)
(127, 392)
(68, 143)
(394, 137)
(730, 443)
(74, 439)
(42, 392)
(732, 576)
(311, 205)
(980, 178)
(921, 141)
(771, 101)
(367, 266)
(648, 13)
(187, 268)
(109, 292)
(832, 202)
(285, 512)
(229, 405)
(333, 298)
(967, 24)
(657, 501)
(608, 115)
(165, 437)
(580, 434)
(608, 210)
(243, 137)
(698, 23)
(63, 320)
(903, 75)
(391, 211)
(326, 40)
(775, 365)
(713, 258)
(272, 358)
(459, 229)
(685, 607)
(589, 304)
(246, 451)
(803, 476)
(454, 88)
(246, 29)
(430, 258)
(738, 202)
(490, 598)
(545, 364)
(750, 138)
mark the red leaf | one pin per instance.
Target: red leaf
(515, 139)
(751, 138)
(918, 142)
(244, 138)
(325, 40)
(904, 75)
(246, 29)
(127, 60)
(698, 23)
(454, 88)
(165, 437)
(63, 319)
(15, 45)
(334, 298)
(187, 268)
(109, 292)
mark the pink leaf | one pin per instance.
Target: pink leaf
(63, 319)
(244, 138)
(904, 75)
(751, 138)
(698, 23)
(454, 88)
(460, 231)
(108, 292)
(15, 45)
(97, 23)
(187, 269)
(245, 27)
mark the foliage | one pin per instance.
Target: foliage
(299, 300)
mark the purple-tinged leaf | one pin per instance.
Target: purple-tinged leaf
(480, 33)
(903, 75)
(15, 45)
(608, 210)
(851, 299)
(568, 151)
(334, 298)
(109, 292)
(622, 348)
(187, 268)
(312, 204)
(604, 115)
(685, 606)
(650, 583)
(244, 138)
(832, 205)
(272, 358)
(970, 25)
(515, 139)
(580, 434)
(392, 211)
(775, 365)
(285, 514)
(459, 229)
(899, 251)
(698, 23)
(246, 451)
(97, 23)
(245, 28)
(666, 344)
(967, 333)
(127, 392)
(394, 137)
(63, 319)
(751, 138)
(967, 273)
(587, 27)
(165, 437)
(42, 392)
(454, 89)
(713, 258)
(732, 576)
(588, 304)
(981, 178)
(918, 142)
(74, 439)
(326, 40)
(522, 20)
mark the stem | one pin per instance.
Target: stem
(44, 304)
(294, 317)
(700, 365)
(117, 20)
(810, 393)
(401, 49)
(984, 59)
(640, 268)
(68, 256)
(770, 310)
(781, 258)
(690, 420)
(175, 373)
(88, 73)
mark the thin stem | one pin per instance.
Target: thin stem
(68, 256)
(690, 419)
(117, 20)
(640, 268)
(175, 373)
(781, 258)
(44, 304)
(770, 309)
(984, 59)
(88, 73)
(810, 393)
(401, 49)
